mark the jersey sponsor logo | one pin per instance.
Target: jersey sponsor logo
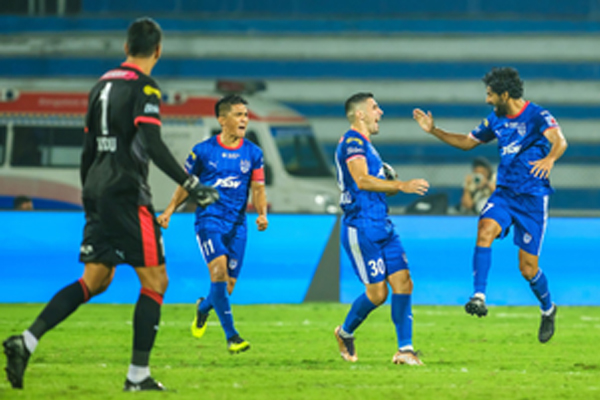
(244, 166)
(353, 139)
(511, 148)
(150, 108)
(354, 150)
(149, 91)
(230, 155)
(550, 120)
(230, 182)
(108, 144)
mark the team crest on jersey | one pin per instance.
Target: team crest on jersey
(233, 263)
(149, 91)
(245, 166)
(527, 238)
(353, 139)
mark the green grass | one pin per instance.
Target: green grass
(294, 355)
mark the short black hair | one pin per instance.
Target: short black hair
(504, 79)
(20, 200)
(355, 99)
(223, 106)
(143, 37)
(483, 162)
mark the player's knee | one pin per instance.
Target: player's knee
(218, 275)
(378, 295)
(528, 269)
(485, 237)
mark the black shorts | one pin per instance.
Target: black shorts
(118, 231)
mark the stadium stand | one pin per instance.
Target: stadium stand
(409, 56)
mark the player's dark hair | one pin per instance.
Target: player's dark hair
(224, 105)
(356, 99)
(505, 79)
(483, 162)
(143, 37)
(20, 200)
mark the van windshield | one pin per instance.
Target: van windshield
(300, 152)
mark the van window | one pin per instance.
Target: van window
(2, 144)
(36, 146)
(300, 151)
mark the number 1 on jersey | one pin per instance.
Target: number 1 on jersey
(104, 99)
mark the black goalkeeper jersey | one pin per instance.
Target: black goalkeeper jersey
(115, 157)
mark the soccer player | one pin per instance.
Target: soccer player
(122, 135)
(368, 235)
(529, 141)
(234, 166)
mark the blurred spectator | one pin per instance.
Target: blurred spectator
(23, 203)
(478, 186)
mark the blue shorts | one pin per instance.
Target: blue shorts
(374, 250)
(526, 212)
(216, 240)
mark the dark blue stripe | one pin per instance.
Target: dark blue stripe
(570, 199)
(476, 111)
(6, 203)
(285, 25)
(433, 153)
(297, 69)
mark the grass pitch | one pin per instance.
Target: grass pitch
(294, 355)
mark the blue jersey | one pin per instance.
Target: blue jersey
(360, 206)
(520, 140)
(230, 171)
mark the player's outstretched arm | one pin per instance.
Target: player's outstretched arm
(178, 198)
(458, 140)
(259, 201)
(418, 186)
(541, 168)
(360, 173)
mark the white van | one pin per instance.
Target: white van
(41, 136)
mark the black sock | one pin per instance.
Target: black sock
(60, 307)
(145, 325)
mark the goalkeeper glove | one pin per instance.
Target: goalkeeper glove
(202, 194)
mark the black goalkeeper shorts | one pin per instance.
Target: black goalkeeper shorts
(118, 231)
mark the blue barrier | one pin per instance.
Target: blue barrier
(296, 69)
(40, 249)
(440, 249)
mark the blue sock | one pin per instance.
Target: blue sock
(482, 261)
(220, 302)
(539, 286)
(206, 304)
(361, 307)
(402, 318)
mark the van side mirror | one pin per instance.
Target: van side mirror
(268, 175)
